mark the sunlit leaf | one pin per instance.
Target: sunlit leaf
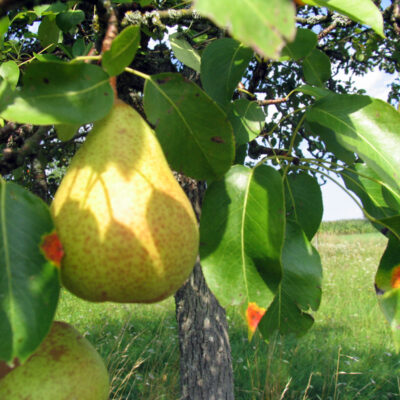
(59, 93)
(184, 52)
(247, 119)
(317, 92)
(4, 25)
(367, 126)
(123, 50)
(241, 235)
(9, 71)
(379, 200)
(262, 25)
(362, 11)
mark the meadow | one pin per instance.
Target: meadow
(348, 354)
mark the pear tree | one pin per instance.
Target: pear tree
(246, 103)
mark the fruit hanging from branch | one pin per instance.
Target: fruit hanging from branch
(128, 230)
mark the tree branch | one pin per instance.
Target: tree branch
(14, 158)
(7, 5)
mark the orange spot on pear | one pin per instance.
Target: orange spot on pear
(52, 248)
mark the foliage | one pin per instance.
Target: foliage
(205, 80)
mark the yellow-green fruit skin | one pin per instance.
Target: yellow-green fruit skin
(64, 367)
(128, 230)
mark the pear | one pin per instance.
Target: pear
(64, 367)
(128, 230)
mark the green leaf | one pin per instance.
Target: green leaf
(184, 52)
(387, 276)
(393, 224)
(300, 289)
(178, 108)
(123, 50)
(304, 202)
(29, 284)
(79, 48)
(223, 63)
(259, 24)
(379, 200)
(316, 68)
(314, 91)
(362, 11)
(304, 42)
(9, 71)
(330, 140)
(369, 127)
(4, 25)
(241, 154)
(50, 9)
(387, 280)
(66, 132)
(241, 235)
(247, 119)
(69, 19)
(59, 93)
(49, 33)
(47, 58)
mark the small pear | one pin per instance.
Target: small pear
(64, 367)
(128, 230)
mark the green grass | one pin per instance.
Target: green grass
(346, 227)
(348, 354)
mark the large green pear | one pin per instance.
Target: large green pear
(128, 230)
(64, 367)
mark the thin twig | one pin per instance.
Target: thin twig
(269, 102)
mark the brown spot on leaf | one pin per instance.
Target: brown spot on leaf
(46, 81)
(162, 81)
(217, 139)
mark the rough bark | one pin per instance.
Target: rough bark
(205, 363)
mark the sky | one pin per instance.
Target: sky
(337, 203)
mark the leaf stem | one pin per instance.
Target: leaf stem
(86, 58)
(137, 73)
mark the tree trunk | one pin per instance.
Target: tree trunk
(205, 363)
